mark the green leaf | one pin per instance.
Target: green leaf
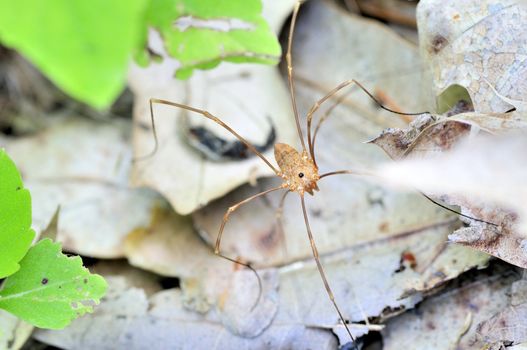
(241, 34)
(82, 46)
(15, 217)
(51, 289)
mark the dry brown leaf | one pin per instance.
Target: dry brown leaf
(246, 97)
(473, 44)
(146, 247)
(494, 123)
(170, 247)
(89, 182)
(430, 134)
(506, 327)
(451, 320)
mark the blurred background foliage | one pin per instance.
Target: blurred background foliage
(84, 47)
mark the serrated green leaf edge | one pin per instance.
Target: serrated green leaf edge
(51, 289)
(198, 48)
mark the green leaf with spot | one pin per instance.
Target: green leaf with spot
(51, 289)
(84, 47)
(16, 234)
(240, 35)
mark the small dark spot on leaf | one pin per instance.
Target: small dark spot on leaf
(18, 188)
(85, 280)
(245, 74)
(383, 227)
(440, 274)
(144, 126)
(407, 260)
(438, 43)
(44, 281)
(270, 239)
(473, 307)
(316, 213)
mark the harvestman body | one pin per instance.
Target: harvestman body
(297, 169)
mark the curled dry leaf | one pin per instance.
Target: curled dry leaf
(478, 45)
(129, 319)
(89, 182)
(477, 175)
(250, 98)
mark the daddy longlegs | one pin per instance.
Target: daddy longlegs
(297, 169)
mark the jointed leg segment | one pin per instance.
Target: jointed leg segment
(220, 233)
(321, 269)
(316, 106)
(280, 225)
(207, 115)
(290, 73)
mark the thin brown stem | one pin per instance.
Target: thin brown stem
(290, 73)
(321, 269)
(207, 115)
(222, 227)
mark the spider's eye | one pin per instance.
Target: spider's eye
(300, 175)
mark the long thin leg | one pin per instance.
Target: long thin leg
(316, 106)
(326, 115)
(220, 233)
(290, 72)
(349, 172)
(279, 223)
(353, 172)
(339, 87)
(456, 212)
(321, 269)
(207, 115)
